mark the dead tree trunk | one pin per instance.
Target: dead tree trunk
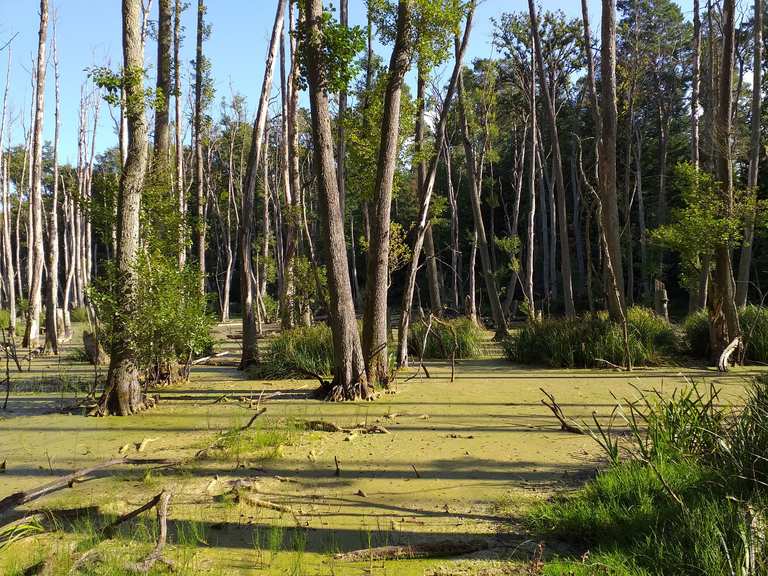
(162, 144)
(349, 380)
(52, 288)
(531, 231)
(122, 395)
(32, 331)
(247, 288)
(9, 270)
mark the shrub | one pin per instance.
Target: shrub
(5, 318)
(79, 314)
(460, 333)
(591, 340)
(170, 323)
(298, 352)
(754, 327)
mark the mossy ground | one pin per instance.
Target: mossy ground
(462, 459)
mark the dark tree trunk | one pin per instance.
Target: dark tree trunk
(608, 196)
(724, 317)
(349, 381)
(52, 289)
(199, 226)
(377, 278)
(162, 144)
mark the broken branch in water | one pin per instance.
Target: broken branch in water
(143, 567)
(558, 412)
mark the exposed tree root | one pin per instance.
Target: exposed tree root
(558, 412)
(422, 550)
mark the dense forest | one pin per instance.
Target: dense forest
(592, 195)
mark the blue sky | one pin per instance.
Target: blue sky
(89, 34)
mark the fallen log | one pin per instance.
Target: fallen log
(421, 550)
(19, 498)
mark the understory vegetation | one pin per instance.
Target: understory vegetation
(685, 492)
(754, 326)
(459, 338)
(299, 352)
(592, 341)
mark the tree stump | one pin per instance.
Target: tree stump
(93, 350)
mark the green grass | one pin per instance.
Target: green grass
(263, 441)
(459, 334)
(683, 499)
(592, 340)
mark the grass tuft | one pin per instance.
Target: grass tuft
(461, 334)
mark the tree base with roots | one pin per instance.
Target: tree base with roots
(332, 391)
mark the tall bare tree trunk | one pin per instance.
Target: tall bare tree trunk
(248, 290)
(557, 167)
(52, 289)
(426, 197)
(199, 228)
(179, 180)
(530, 264)
(607, 161)
(745, 261)
(122, 395)
(32, 331)
(375, 347)
(288, 291)
(349, 381)
(162, 144)
(9, 270)
(724, 317)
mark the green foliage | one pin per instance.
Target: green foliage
(307, 280)
(510, 247)
(703, 223)
(170, 322)
(754, 326)
(399, 250)
(459, 334)
(79, 315)
(590, 341)
(432, 26)
(689, 499)
(297, 353)
(338, 47)
(114, 83)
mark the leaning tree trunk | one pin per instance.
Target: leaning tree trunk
(250, 353)
(745, 262)
(349, 380)
(607, 160)
(32, 331)
(426, 198)
(557, 166)
(724, 317)
(52, 289)
(122, 395)
(474, 173)
(377, 278)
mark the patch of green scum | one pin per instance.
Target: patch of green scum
(265, 440)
